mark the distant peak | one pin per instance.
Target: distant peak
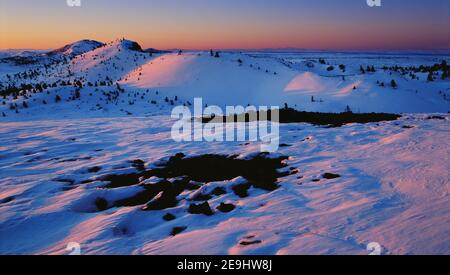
(128, 44)
(76, 48)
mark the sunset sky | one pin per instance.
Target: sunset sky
(225, 24)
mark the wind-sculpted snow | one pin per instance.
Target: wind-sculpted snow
(87, 154)
(341, 188)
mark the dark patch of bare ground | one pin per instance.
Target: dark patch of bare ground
(6, 200)
(289, 115)
(246, 243)
(180, 173)
(330, 176)
(436, 117)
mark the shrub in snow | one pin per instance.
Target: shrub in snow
(394, 84)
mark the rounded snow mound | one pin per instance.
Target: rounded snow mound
(76, 48)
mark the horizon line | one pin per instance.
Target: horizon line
(266, 49)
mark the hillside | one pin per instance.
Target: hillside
(151, 81)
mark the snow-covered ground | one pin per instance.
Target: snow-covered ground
(390, 183)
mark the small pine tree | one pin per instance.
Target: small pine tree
(57, 98)
(217, 55)
(394, 84)
(362, 70)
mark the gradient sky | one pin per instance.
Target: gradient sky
(204, 24)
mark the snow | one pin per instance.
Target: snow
(393, 190)
(393, 187)
(77, 48)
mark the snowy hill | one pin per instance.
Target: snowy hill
(244, 79)
(323, 82)
(74, 49)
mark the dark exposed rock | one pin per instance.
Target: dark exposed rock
(6, 200)
(289, 115)
(245, 243)
(202, 208)
(179, 173)
(94, 169)
(241, 190)
(177, 230)
(436, 117)
(138, 164)
(165, 199)
(226, 207)
(330, 176)
(218, 191)
(169, 217)
(101, 204)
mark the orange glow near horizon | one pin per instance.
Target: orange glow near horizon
(232, 24)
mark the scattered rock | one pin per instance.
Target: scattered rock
(330, 176)
(94, 169)
(218, 191)
(436, 117)
(165, 199)
(177, 230)
(169, 217)
(245, 243)
(138, 164)
(202, 208)
(6, 200)
(226, 207)
(101, 204)
(241, 190)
